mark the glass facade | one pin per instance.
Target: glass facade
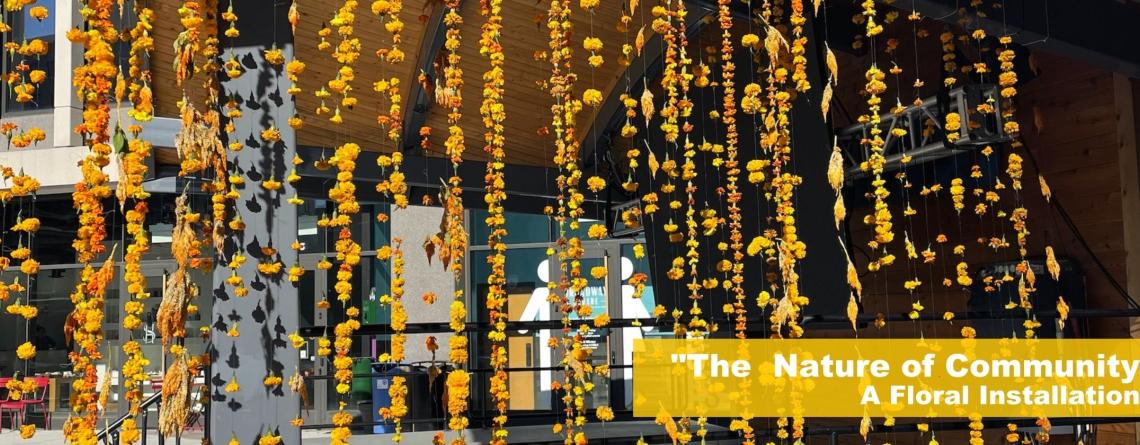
(529, 270)
(25, 29)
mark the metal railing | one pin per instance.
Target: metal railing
(110, 433)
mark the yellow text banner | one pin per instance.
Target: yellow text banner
(878, 377)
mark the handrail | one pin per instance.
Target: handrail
(154, 399)
(667, 322)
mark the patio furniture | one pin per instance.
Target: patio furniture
(18, 410)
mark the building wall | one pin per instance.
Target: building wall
(414, 225)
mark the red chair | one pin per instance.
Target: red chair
(19, 409)
(6, 404)
(38, 403)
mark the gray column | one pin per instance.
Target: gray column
(269, 313)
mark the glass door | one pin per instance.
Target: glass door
(310, 292)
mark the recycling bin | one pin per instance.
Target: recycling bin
(382, 374)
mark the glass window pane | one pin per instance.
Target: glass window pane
(36, 29)
(521, 228)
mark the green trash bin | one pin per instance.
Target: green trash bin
(361, 386)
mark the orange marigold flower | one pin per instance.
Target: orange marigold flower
(40, 13)
(26, 351)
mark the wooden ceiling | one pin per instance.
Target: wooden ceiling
(359, 124)
(524, 34)
(527, 104)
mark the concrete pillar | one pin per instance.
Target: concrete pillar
(270, 312)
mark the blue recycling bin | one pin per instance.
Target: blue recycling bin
(381, 380)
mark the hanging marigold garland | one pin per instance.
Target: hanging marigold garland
(1019, 217)
(776, 140)
(399, 321)
(494, 114)
(732, 167)
(86, 329)
(133, 169)
(564, 109)
(233, 70)
(678, 107)
(451, 246)
(392, 121)
(93, 81)
(343, 193)
(395, 187)
(348, 255)
(217, 159)
(733, 198)
(881, 215)
(25, 228)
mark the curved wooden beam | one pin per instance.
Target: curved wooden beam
(419, 101)
(647, 66)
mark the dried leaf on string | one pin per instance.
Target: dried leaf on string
(1052, 264)
(104, 393)
(69, 325)
(1063, 311)
(853, 312)
(175, 398)
(825, 101)
(647, 105)
(785, 312)
(297, 385)
(835, 169)
(294, 16)
(772, 43)
(853, 279)
(632, 6)
(815, 4)
(840, 210)
(665, 419)
(832, 66)
(1045, 190)
(639, 41)
(429, 248)
(865, 426)
(653, 163)
(172, 311)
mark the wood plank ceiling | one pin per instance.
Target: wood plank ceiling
(524, 35)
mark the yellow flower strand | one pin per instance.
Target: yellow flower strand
(343, 193)
(453, 242)
(732, 175)
(92, 81)
(134, 169)
(494, 114)
(564, 110)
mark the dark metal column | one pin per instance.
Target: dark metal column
(269, 313)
